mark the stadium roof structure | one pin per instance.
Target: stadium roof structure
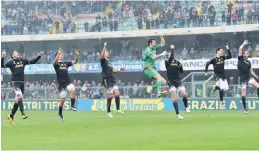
(132, 34)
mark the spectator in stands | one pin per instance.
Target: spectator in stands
(194, 17)
(188, 18)
(73, 27)
(257, 16)
(148, 24)
(257, 50)
(212, 15)
(249, 16)
(105, 24)
(140, 26)
(234, 18)
(223, 14)
(229, 5)
(200, 20)
(86, 24)
(185, 53)
(111, 25)
(228, 19)
(192, 53)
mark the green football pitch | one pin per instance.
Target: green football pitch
(136, 130)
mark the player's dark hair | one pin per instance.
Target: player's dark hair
(12, 53)
(244, 51)
(218, 49)
(150, 41)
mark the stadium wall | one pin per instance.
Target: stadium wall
(138, 104)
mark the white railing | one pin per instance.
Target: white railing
(135, 33)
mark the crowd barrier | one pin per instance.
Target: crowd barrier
(138, 104)
(134, 33)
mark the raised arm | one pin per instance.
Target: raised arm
(162, 40)
(228, 51)
(240, 51)
(57, 55)
(207, 66)
(76, 56)
(103, 50)
(4, 65)
(162, 43)
(35, 60)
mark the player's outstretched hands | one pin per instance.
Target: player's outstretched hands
(105, 44)
(41, 53)
(206, 74)
(227, 47)
(161, 35)
(245, 42)
(60, 50)
(77, 51)
(164, 53)
(3, 54)
(172, 47)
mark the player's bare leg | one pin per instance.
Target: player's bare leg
(60, 108)
(185, 100)
(175, 104)
(255, 84)
(160, 81)
(117, 101)
(73, 98)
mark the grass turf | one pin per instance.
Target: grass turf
(134, 130)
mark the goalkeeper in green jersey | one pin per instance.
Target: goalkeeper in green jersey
(149, 56)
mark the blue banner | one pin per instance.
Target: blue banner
(82, 68)
(138, 104)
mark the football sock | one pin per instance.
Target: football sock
(109, 102)
(176, 107)
(15, 108)
(117, 102)
(244, 102)
(73, 102)
(185, 102)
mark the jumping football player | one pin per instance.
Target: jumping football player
(109, 81)
(219, 71)
(174, 68)
(17, 65)
(64, 84)
(149, 56)
(245, 73)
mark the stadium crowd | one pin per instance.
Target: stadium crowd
(48, 89)
(41, 17)
(94, 90)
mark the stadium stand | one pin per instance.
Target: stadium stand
(53, 17)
